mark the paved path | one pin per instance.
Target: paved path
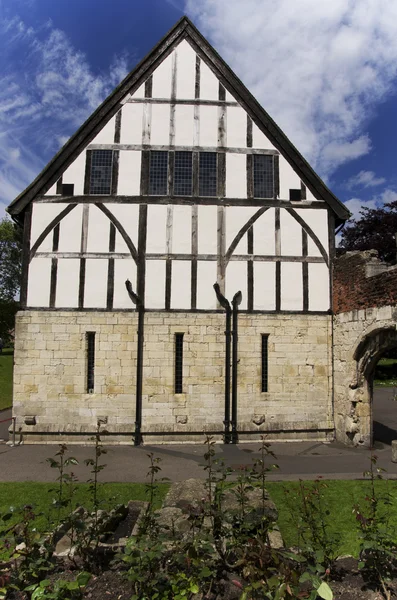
(296, 460)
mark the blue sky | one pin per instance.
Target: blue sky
(325, 71)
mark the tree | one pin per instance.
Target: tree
(374, 230)
(10, 275)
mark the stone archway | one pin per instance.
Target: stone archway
(359, 421)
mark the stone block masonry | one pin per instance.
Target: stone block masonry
(50, 376)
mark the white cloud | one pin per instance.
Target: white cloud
(365, 179)
(355, 205)
(319, 68)
(44, 103)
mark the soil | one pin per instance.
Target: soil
(112, 584)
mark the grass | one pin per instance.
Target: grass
(40, 496)
(339, 499)
(6, 367)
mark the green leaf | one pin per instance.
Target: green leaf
(194, 588)
(324, 591)
(83, 578)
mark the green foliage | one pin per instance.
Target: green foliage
(6, 370)
(10, 259)
(60, 589)
(374, 230)
(378, 539)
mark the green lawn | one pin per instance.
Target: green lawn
(41, 495)
(339, 499)
(6, 366)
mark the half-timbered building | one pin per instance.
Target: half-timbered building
(179, 180)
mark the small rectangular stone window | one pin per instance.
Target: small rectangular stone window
(265, 371)
(178, 363)
(101, 172)
(90, 349)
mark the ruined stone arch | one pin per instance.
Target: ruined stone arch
(368, 350)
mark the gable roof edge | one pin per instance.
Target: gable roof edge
(183, 28)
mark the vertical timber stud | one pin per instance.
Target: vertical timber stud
(305, 272)
(110, 288)
(83, 250)
(235, 303)
(27, 226)
(54, 266)
(278, 263)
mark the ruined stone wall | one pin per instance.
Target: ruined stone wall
(360, 280)
(50, 376)
(365, 298)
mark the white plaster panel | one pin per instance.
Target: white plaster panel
(318, 221)
(184, 125)
(236, 217)
(131, 124)
(162, 79)
(264, 286)
(39, 282)
(291, 286)
(318, 287)
(207, 229)
(236, 127)
(96, 282)
(206, 277)
(182, 230)
(181, 284)
(291, 235)
(42, 216)
(140, 92)
(75, 174)
(209, 84)
(52, 191)
(155, 284)
(129, 182)
(70, 231)
(236, 279)
(288, 179)
(123, 269)
(229, 97)
(160, 126)
(106, 135)
(259, 140)
(209, 126)
(98, 230)
(236, 175)
(156, 229)
(264, 237)
(186, 71)
(68, 275)
(128, 215)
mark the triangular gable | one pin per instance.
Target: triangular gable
(184, 29)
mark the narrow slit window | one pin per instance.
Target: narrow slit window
(158, 173)
(183, 174)
(263, 176)
(265, 370)
(90, 337)
(178, 363)
(208, 174)
(101, 171)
